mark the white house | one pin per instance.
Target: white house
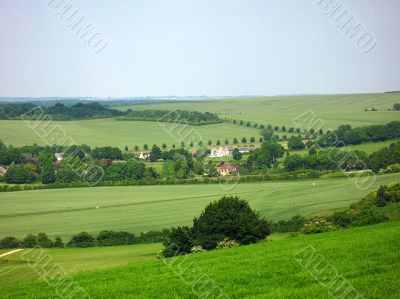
(144, 155)
(59, 156)
(221, 151)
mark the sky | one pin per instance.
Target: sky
(204, 47)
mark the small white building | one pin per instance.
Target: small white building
(144, 155)
(221, 151)
(59, 156)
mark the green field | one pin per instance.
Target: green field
(102, 132)
(74, 260)
(366, 257)
(64, 212)
(334, 110)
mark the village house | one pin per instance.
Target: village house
(226, 151)
(59, 156)
(144, 155)
(228, 168)
(221, 151)
(3, 171)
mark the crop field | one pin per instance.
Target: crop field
(109, 132)
(267, 269)
(333, 110)
(74, 260)
(65, 212)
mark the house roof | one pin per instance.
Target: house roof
(228, 167)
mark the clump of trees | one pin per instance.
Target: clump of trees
(263, 158)
(229, 217)
(179, 116)
(58, 111)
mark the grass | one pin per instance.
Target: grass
(334, 110)
(65, 212)
(74, 260)
(366, 257)
(102, 132)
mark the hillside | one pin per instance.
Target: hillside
(366, 257)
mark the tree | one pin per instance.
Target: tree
(145, 147)
(126, 148)
(244, 140)
(168, 169)
(155, 153)
(283, 129)
(191, 144)
(252, 139)
(136, 148)
(260, 140)
(58, 242)
(396, 106)
(83, 239)
(235, 141)
(18, 174)
(9, 242)
(29, 241)
(209, 142)
(43, 240)
(237, 155)
(178, 241)
(229, 217)
(293, 162)
(218, 142)
(48, 175)
(164, 146)
(226, 141)
(295, 143)
(265, 156)
(266, 134)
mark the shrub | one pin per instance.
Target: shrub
(197, 249)
(9, 242)
(83, 239)
(318, 225)
(58, 242)
(227, 243)
(18, 174)
(110, 238)
(229, 217)
(43, 240)
(393, 168)
(29, 241)
(178, 241)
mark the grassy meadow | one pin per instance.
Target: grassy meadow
(74, 260)
(65, 212)
(104, 132)
(334, 110)
(366, 257)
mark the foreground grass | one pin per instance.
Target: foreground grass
(65, 212)
(13, 268)
(367, 257)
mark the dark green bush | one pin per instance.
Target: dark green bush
(83, 239)
(9, 242)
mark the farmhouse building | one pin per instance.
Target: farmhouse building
(226, 151)
(144, 155)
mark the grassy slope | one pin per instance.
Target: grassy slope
(74, 260)
(140, 208)
(334, 110)
(101, 132)
(368, 257)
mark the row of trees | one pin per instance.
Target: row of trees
(84, 239)
(179, 116)
(58, 111)
(347, 160)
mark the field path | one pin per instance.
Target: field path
(11, 252)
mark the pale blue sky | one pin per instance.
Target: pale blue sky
(203, 47)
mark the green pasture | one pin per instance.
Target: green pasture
(73, 260)
(65, 212)
(366, 258)
(103, 132)
(333, 110)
